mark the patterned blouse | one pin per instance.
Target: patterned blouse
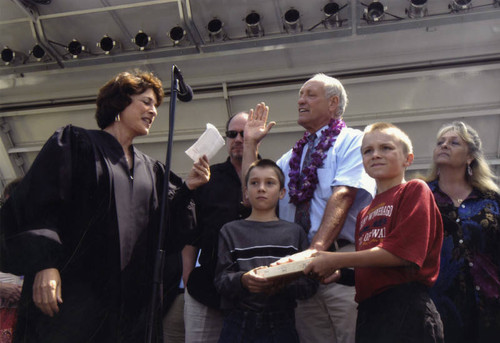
(468, 287)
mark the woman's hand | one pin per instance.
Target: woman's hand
(47, 291)
(199, 174)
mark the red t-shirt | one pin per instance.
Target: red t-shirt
(405, 221)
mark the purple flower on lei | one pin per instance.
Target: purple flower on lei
(301, 187)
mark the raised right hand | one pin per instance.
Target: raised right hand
(257, 127)
(47, 291)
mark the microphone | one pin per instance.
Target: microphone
(185, 92)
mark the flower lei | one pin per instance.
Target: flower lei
(301, 187)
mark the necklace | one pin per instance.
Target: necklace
(460, 200)
(301, 186)
(462, 194)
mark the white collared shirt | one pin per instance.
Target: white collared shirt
(343, 166)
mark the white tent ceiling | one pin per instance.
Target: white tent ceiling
(397, 53)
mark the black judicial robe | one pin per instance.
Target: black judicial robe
(81, 210)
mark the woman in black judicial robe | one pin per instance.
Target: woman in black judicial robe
(83, 225)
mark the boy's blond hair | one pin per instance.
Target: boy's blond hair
(395, 131)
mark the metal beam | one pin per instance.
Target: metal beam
(37, 30)
(430, 21)
(105, 9)
(200, 48)
(161, 55)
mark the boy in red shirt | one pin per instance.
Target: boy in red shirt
(398, 242)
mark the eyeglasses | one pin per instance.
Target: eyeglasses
(233, 134)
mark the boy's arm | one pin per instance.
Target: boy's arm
(227, 274)
(324, 265)
(258, 284)
(233, 283)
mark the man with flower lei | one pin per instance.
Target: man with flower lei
(334, 186)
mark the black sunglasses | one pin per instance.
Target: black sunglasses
(233, 134)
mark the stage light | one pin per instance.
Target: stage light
(215, 30)
(142, 40)
(291, 21)
(417, 9)
(331, 10)
(177, 34)
(11, 57)
(374, 12)
(8, 55)
(460, 5)
(38, 52)
(75, 48)
(107, 44)
(254, 29)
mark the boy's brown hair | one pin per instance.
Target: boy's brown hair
(267, 163)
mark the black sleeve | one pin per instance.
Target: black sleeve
(181, 213)
(31, 217)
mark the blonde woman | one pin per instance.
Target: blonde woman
(468, 288)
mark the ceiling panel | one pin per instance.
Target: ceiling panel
(37, 97)
(67, 6)
(61, 21)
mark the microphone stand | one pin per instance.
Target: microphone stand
(156, 295)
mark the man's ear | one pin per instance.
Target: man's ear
(409, 160)
(333, 103)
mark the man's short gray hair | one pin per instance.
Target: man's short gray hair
(333, 87)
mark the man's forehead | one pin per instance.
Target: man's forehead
(312, 84)
(239, 119)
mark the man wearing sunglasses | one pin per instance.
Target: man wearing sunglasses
(217, 203)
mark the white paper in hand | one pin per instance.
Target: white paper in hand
(208, 144)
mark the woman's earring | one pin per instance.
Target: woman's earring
(117, 117)
(438, 172)
(469, 170)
